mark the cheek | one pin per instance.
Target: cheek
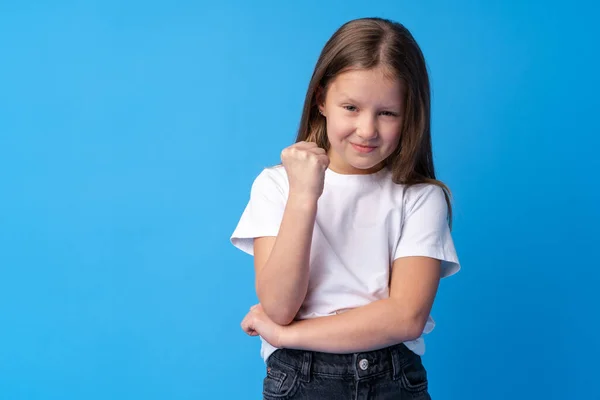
(390, 142)
(391, 133)
(338, 129)
(391, 138)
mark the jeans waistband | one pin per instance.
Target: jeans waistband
(358, 365)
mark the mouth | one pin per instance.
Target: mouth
(363, 149)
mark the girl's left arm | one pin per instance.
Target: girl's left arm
(401, 317)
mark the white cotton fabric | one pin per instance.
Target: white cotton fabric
(363, 224)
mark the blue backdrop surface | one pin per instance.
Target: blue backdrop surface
(130, 133)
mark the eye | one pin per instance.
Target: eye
(389, 114)
(350, 108)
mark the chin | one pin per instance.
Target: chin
(364, 165)
(347, 159)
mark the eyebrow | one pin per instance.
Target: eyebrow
(345, 97)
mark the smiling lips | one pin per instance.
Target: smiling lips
(363, 149)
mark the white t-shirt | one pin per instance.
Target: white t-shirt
(363, 223)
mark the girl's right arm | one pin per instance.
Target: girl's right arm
(282, 263)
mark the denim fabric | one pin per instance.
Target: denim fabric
(391, 373)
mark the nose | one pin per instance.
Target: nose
(367, 128)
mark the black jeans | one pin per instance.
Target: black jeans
(391, 373)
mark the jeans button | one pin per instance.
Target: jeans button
(363, 364)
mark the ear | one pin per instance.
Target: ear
(320, 99)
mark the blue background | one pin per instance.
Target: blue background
(130, 133)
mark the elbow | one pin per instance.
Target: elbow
(416, 329)
(280, 315)
(409, 328)
(284, 320)
(281, 311)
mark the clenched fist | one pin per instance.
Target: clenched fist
(305, 164)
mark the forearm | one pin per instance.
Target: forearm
(376, 325)
(282, 282)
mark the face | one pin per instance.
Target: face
(364, 111)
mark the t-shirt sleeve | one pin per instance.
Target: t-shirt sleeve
(425, 230)
(263, 213)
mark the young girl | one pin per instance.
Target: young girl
(351, 233)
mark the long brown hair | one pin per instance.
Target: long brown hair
(367, 43)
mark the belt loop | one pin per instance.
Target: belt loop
(396, 362)
(306, 364)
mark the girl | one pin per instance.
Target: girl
(351, 233)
